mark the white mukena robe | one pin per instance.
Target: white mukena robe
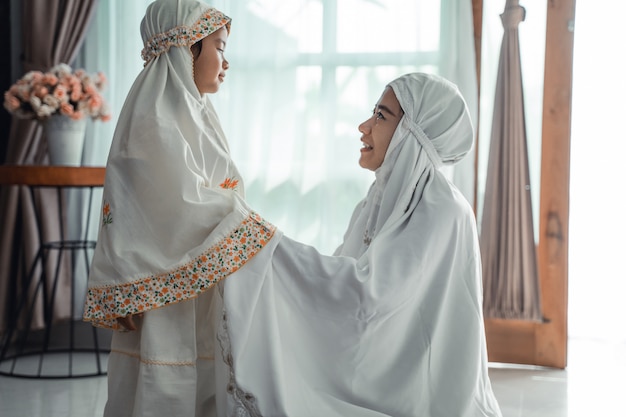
(392, 324)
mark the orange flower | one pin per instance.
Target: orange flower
(106, 210)
(229, 184)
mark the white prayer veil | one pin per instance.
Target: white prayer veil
(435, 130)
(172, 194)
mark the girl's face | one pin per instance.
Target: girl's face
(209, 68)
(378, 130)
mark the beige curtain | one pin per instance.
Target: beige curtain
(52, 32)
(511, 285)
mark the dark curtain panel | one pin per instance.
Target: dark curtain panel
(511, 284)
(5, 72)
(53, 31)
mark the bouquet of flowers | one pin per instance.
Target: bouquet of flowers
(39, 95)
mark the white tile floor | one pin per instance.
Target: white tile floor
(593, 385)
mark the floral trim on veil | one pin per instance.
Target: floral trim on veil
(209, 22)
(105, 304)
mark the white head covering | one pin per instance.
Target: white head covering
(435, 130)
(171, 191)
(393, 325)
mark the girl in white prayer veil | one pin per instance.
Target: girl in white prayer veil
(391, 325)
(173, 222)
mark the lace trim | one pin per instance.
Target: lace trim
(244, 402)
(209, 22)
(105, 304)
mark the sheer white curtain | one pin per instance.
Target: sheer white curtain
(303, 75)
(113, 46)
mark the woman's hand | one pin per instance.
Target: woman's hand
(128, 323)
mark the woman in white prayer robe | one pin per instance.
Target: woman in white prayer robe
(392, 324)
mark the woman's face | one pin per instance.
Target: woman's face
(209, 68)
(378, 130)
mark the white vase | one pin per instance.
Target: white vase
(66, 138)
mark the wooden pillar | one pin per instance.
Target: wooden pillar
(477, 11)
(555, 173)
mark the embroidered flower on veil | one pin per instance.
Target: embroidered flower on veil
(107, 217)
(229, 184)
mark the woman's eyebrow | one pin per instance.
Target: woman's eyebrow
(387, 109)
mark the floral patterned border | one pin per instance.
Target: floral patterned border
(209, 22)
(104, 305)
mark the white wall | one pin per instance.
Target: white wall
(597, 276)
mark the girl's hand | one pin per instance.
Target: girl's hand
(127, 323)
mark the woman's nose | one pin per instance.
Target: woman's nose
(225, 64)
(365, 126)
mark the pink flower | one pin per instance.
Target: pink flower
(76, 95)
(77, 115)
(24, 94)
(90, 89)
(33, 76)
(66, 109)
(42, 92)
(49, 78)
(52, 101)
(94, 103)
(101, 81)
(60, 93)
(11, 102)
